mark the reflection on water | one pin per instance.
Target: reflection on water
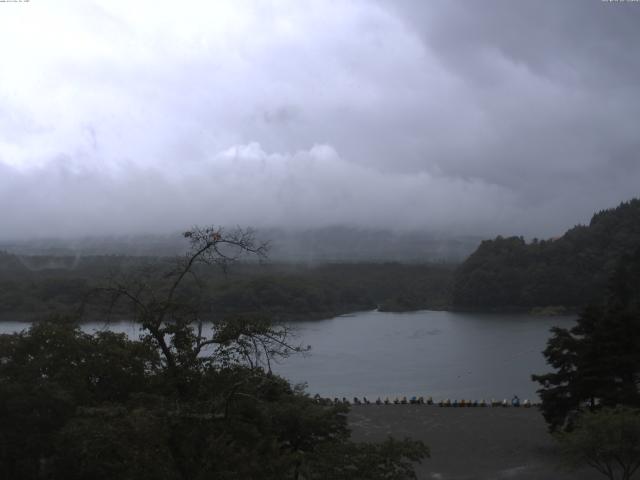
(443, 354)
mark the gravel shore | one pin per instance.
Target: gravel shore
(470, 443)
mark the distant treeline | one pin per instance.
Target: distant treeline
(34, 286)
(505, 273)
(569, 271)
(335, 244)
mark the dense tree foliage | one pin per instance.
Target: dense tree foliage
(32, 286)
(607, 440)
(597, 362)
(570, 271)
(182, 402)
(74, 405)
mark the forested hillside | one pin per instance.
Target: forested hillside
(569, 271)
(32, 286)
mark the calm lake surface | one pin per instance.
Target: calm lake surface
(442, 354)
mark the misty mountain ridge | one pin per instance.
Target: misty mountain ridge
(320, 245)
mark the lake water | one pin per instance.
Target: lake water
(442, 354)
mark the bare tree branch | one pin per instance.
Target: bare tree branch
(166, 310)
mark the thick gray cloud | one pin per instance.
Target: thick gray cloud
(311, 188)
(470, 117)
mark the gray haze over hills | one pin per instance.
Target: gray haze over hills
(331, 244)
(468, 118)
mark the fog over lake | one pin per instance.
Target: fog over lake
(442, 354)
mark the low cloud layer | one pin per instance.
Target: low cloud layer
(500, 117)
(306, 189)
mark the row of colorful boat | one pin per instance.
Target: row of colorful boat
(514, 402)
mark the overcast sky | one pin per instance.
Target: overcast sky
(486, 117)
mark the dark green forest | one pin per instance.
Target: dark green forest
(569, 271)
(591, 398)
(32, 286)
(185, 401)
(181, 402)
(597, 362)
(504, 273)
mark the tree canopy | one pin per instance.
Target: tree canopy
(571, 270)
(607, 440)
(597, 362)
(187, 400)
(35, 286)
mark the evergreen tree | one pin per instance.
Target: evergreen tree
(597, 362)
(571, 270)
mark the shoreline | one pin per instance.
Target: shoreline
(30, 317)
(470, 443)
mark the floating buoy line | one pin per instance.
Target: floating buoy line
(463, 403)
